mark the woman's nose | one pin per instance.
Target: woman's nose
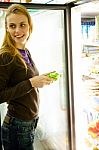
(17, 29)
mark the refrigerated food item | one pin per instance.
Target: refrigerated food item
(54, 75)
(93, 131)
(94, 72)
(94, 69)
(92, 87)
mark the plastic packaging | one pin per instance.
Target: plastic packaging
(54, 75)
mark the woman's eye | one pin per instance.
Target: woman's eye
(22, 25)
(12, 26)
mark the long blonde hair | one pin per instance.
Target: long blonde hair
(8, 44)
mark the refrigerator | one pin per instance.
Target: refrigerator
(85, 54)
(47, 46)
(63, 41)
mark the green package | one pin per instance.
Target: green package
(54, 75)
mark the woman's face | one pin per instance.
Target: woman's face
(18, 28)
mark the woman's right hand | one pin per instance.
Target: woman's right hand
(40, 81)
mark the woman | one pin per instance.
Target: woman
(19, 82)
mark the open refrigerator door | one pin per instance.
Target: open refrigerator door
(86, 75)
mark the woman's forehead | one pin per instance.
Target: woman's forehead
(17, 18)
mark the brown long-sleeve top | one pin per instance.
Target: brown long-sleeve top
(16, 89)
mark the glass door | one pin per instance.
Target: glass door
(47, 47)
(48, 52)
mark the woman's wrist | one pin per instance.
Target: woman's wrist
(31, 81)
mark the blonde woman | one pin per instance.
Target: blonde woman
(19, 81)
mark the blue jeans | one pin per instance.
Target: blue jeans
(18, 134)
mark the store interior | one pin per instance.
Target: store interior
(48, 52)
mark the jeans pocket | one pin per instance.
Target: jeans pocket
(25, 139)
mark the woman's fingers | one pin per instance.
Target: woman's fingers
(40, 81)
(45, 74)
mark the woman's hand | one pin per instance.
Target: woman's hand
(40, 81)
